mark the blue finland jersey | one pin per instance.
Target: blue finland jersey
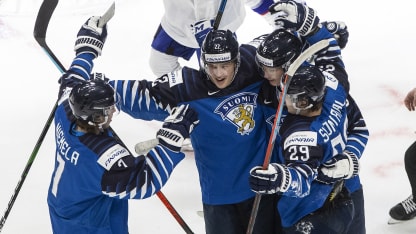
(94, 175)
(307, 142)
(329, 60)
(230, 138)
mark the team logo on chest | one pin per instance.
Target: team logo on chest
(239, 110)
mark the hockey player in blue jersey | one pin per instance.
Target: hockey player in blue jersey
(306, 205)
(277, 51)
(94, 173)
(225, 95)
(282, 47)
(185, 24)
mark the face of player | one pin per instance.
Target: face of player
(273, 74)
(221, 74)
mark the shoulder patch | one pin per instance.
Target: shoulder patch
(175, 78)
(331, 81)
(112, 155)
(301, 138)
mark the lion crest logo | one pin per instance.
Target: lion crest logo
(239, 110)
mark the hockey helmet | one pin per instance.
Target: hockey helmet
(219, 46)
(92, 101)
(307, 87)
(279, 49)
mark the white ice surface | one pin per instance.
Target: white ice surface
(379, 58)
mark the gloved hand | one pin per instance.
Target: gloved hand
(177, 126)
(90, 37)
(339, 30)
(200, 30)
(341, 166)
(275, 179)
(295, 15)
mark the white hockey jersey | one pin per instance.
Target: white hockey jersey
(185, 13)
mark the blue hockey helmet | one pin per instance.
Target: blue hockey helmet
(307, 87)
(279, 49)
(92, 101)
(219, 46)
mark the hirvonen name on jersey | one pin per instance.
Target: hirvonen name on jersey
(239, 110)
(63, 148)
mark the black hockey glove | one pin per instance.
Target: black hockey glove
(294, 15)
(339, 30)
(177, 127)
(275, 179)
(341, 166)
(91, 38)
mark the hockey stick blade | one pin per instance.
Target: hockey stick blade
(41, 25)
(392, 221)
(42, 20)
(107, 15)
(142, 148)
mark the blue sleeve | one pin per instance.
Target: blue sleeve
(138, 99)
(129, 177)
(79, 71)
(357, 130)
(329, 59)
(82, 65)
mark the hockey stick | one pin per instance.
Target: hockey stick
(219, 14)
(45, 13)
(288, 77)
(145, 146)
(42, 21)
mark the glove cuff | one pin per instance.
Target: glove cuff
(354, 164)
(171, 139)
(86, 43)
(310, 23)
(286, 177)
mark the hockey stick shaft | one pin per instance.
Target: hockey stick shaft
(175, 214)
(42, 21)
(288, 77)
(219, 14)
(45, 13)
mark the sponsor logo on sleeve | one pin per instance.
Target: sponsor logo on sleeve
(112, 155)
